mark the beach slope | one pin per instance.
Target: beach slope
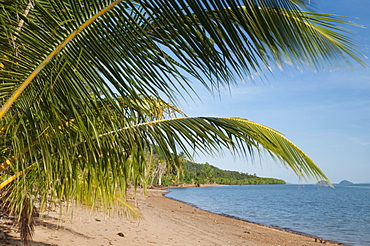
(165, 222)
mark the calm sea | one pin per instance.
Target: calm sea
(339, 214)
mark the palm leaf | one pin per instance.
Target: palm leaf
(76, 61)
(239, 136)
(88, 183)
(225, 38)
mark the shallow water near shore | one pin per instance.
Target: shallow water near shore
(339, 214)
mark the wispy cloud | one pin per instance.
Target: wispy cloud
(359, 141)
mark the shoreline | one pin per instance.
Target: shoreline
(318, 239)
(165, 222)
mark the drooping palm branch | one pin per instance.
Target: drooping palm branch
(140, 45)
(205, 134)
(75, 59)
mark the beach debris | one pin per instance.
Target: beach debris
(120, 234)
(319, 240)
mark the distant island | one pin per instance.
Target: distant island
(345, 182)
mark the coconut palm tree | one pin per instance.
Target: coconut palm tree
(88, 86)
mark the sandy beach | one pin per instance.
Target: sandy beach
(165, 222)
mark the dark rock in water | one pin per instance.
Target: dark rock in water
(345, 182)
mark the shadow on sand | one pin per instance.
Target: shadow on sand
(7, 231)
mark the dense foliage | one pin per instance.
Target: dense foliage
(194, 173)
(189, 172)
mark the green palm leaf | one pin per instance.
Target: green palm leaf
(94, 72)
(239, 136)
(134, 45)
(84, 172)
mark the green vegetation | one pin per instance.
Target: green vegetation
(206, 173)
(188, 172)
(197, 174)
(88, 87)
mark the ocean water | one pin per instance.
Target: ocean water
(340, 214)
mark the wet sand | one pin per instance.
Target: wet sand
(165, 222)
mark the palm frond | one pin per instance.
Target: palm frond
(141, 47)
(239, 136)
(79, 167)
(93, 73)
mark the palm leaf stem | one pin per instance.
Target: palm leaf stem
(273, 141)
(158, 105)
(20, 24)
(8, 162)
(56, 51)
(12, 178)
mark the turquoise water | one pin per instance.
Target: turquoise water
(339, 214)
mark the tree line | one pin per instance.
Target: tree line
(188, 172)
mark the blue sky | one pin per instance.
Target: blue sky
(325, 113)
